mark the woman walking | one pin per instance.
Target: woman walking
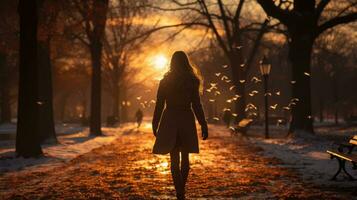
(174, 126)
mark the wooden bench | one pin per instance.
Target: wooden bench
(343, 154)
(242, 126)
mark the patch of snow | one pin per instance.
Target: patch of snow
(61, 128)
(307, 154)
(69, 147)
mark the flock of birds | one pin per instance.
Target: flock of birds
(253, 109)
(215, 92)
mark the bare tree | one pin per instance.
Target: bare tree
(334, 69)
(27, 139)
(5, 106)
(93, 17)
(123, 40)
(303, 19)
(9, 37)
(48, 13)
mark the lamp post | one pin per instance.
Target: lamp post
(265, 67)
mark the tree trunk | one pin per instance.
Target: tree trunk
(321, 110)
(5, 104)
(238, 75)
(5, 108)
(27, 139)
(300, 48)
(116, 93)
(95, 116)
(335, 95)
(46, 120)
(62, 105)
(124, 107)
(95, 32)
(116, 106)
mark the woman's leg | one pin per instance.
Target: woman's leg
(176, 173)
(185, 166)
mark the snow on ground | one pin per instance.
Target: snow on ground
(70, 146)
(9, 129)
(307, 153)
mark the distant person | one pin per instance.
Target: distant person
(179, 90)
(227, 116)
(139, 117)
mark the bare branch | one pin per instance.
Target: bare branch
(213, 27)
(225, 23)
(320, 7)
(336, 21)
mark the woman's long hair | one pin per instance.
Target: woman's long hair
(181, 68)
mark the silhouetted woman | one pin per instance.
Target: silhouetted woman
(174, 126)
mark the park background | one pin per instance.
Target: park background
(83, 68)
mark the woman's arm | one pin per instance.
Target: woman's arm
(197, 106)
(160, 102)
(198, 110)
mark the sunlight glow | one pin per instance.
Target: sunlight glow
(159, 62)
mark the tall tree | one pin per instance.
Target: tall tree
(94, 17)
(48, 12)
(9, 37)
(123, 40)
(5, 106)
(303, 21)
(27, 139)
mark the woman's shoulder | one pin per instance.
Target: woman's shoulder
(164, 80)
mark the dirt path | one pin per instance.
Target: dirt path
(226, 168)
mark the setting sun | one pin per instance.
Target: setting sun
(159, 62)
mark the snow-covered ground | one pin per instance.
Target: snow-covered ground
(307, 153)
(61, 128)
(70, 146)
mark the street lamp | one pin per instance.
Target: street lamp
(265, 67)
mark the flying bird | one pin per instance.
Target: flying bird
(274, 106)
(286, 108)
(267, 94)
(255, 79)
(224, 78)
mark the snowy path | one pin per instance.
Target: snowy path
(227, 168)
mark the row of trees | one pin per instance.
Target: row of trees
(44, 26)
(303, 22)
(110, 32)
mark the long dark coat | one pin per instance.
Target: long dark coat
(175, 124)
